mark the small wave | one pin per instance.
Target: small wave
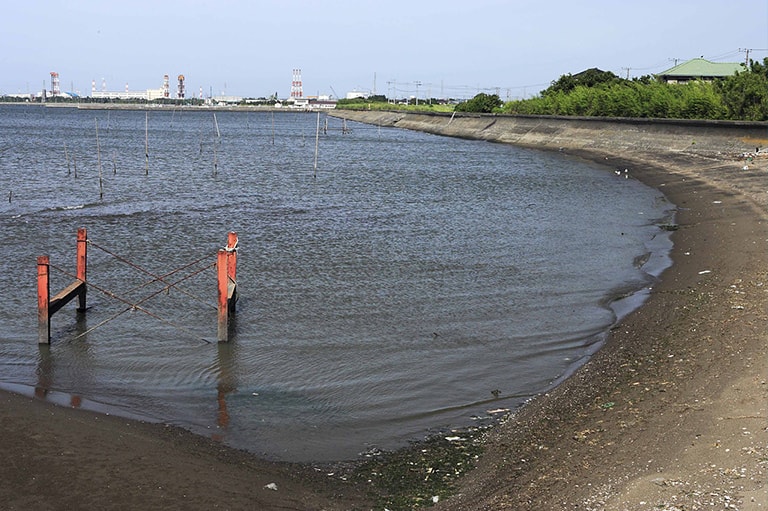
(67, 208)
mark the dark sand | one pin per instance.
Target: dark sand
(670, 414)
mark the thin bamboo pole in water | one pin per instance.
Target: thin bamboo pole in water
(98, 159)
(146, 143)
(317, 141)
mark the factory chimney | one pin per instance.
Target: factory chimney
(180, 89)
(297, 90)
(55, 89)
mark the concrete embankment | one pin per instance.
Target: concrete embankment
(707, 149)
(595, 134)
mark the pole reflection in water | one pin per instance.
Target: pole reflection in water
(77, 351)
(226, 382)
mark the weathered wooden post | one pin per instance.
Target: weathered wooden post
(226, 266)
(232, 270)
(43, 296)
(82, 265)
(221, 267)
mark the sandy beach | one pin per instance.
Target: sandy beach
(671, 414)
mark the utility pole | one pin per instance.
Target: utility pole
(746, 59)
(417, 92)
(628, 69)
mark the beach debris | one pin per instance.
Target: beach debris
(496, 393)
(669, 227)
(498, 410)
(454, 439)
(704, 272)
(582, 435)
(271, 486)
(435, 499)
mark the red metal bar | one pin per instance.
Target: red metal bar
(223, 281)
(82, 265)
(43, 296)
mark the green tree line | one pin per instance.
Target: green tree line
(743, 96)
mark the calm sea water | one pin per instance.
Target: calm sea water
(383, 295)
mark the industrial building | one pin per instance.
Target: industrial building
(163, 92)
(295, 100)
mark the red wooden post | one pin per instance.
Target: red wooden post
(43, 298)
(232, 258)
(232, 270)
(82, 265)
(223, 278)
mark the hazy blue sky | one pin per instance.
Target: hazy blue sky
(453, 48)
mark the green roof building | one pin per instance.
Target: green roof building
(700, 69)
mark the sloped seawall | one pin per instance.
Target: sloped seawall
(603, 135)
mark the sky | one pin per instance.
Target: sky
(402, 48)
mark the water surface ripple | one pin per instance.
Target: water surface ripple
(383, 295)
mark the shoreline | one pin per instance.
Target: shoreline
(655, 419)
(640, 426)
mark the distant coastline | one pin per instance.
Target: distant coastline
(156, 107)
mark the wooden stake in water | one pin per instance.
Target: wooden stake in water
(74, 164)
(215, 159)
(273, 128)
(114, 165)
(66, 157)
(216, 123)
(98, 159)
(317, 141)
(146, 143)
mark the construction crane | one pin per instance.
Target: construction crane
(334, 92)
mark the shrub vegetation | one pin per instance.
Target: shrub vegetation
(743, 96)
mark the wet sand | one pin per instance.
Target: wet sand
(670, 414)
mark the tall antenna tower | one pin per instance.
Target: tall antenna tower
(55, 90)
(297, 90)
(180, 89)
